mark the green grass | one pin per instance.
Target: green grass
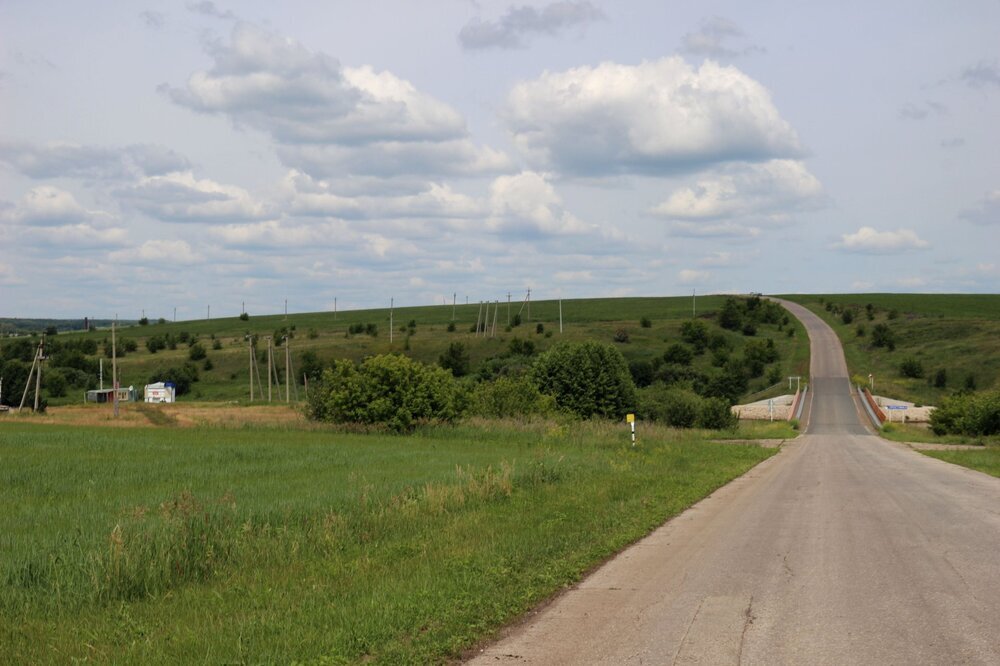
(215, 545)
(326, 334)
(985, 460)
(954, 332)
(899, 432)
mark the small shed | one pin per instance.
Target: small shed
(108, 395)
(161, 392)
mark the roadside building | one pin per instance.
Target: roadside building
(108, 395)
(161, 392)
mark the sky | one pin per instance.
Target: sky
(183, 156)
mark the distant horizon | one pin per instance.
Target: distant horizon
(153, 320)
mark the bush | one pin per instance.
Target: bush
(731, 315)
(144, 321)
(642, 372)
(847, 316)
(388, 389)
(678, 354)
(155, 344)
(515, 320)
(244, 316)
(941, 378)
(646, 322)
(621, 335)
(55, 382)
(588, 379)
(882, 336)
(455, 359)
(695, 333)
(716, 415)
(976, 414)
(912, 368)
(749, 328)
(509, 397)
(197, 352)
(451, 327)
(860, 331)
(180, 376)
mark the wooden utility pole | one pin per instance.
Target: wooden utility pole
(486, 320)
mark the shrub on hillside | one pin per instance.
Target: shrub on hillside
(882, 336)
(695, 333)
(588, 379)
(912, 368)
(941, 378)
(621, 335)
(509, 397)
(847, 316)
(197, 352)
(455, 359)
(642, 372)
(389, 390)
(678, 354)
(645, 322)
(180, 376)
(731, 315)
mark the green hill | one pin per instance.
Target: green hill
(419, 332)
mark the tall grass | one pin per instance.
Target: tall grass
(220, 545)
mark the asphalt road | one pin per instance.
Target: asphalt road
(842, 549)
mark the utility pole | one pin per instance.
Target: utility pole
(454, 297)
(479, 317)
(114, 366)
(100, 366)
(175, 314)
(496, 309)
(252, 359)
(208, 314)
(529, 303)
(286, 309)
(486, 320)
(270, 361)
(35, 364)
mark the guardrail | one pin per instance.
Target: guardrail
(874, 412)
(802, 403)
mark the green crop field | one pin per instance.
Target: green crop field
(266, 545)
(956, 333)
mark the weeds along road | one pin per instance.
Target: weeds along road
(844, 548)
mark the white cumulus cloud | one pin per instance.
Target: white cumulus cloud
(661, 116)
(329, 119)
(772, 189)
(871, 241)
(180, 197)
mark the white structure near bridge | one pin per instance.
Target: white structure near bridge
(161, 392)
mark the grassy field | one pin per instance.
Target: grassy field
(326, 335)
(957, 333)
(253, 544)
(986, 459)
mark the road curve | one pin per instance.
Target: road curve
(843, 548)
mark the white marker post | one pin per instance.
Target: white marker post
(630, 418)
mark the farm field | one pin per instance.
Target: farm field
(958, 334)
(259, 544)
